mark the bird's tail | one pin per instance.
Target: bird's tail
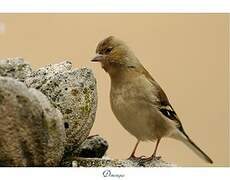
(182, 136)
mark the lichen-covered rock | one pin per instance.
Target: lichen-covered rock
(27, 129)
(93, 147)
(15, 68)
(73, 92)
(106, 162)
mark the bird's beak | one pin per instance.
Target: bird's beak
(98, 58)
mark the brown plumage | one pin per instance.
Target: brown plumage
(137, 100)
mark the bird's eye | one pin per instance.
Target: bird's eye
(108, 50)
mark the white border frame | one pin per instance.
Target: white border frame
(114, 6)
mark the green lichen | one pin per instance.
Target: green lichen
(86, 109)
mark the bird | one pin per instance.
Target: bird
(138, 101)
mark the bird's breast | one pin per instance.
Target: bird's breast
(132, 104)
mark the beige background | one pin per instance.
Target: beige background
(186, 53)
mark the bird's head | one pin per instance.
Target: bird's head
(114, 54)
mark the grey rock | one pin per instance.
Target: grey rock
(73, 92)
(15, 68)
(28, 131)
(56, 132)
(106, 162)
(93, 147)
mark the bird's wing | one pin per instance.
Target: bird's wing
(166, 109)
(163, 103)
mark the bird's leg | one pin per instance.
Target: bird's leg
(132, 156)
(154, 153)
(155, 150)
(134, 150)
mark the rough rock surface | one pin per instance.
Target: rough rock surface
(15, 68)
(56, 132)
(96, 162)
(73, 92)
(27, 130)
(93, 147)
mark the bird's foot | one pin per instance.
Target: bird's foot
(157, 157)
(134, 158)
(151, 158)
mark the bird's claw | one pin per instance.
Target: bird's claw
(151, 158)
(157, 157)
(134, 158)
